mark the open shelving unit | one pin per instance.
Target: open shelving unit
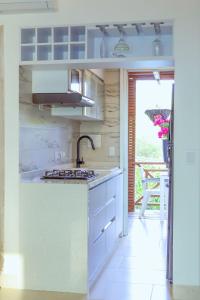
(81, 43)
(53, 43)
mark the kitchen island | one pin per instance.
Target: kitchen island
(68, 230)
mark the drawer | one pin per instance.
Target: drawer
(96, 254)
(111, 188)
(111, 237)
(96, 225)
(110, 209)
(97, 199)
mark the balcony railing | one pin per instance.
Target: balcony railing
(151, 170)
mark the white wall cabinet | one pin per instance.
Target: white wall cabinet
(94, 88)
(53, 43)
(105, 223)
(76, 43)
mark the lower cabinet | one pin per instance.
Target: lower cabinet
(105, 223)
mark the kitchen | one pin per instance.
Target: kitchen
(50, 148)
(186, 29)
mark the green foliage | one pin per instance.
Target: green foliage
(148, 151)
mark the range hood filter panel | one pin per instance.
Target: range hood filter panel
(62, 99)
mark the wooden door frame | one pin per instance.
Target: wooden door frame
(132, 78)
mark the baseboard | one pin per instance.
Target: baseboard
(183, 292)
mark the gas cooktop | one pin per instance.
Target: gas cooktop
(69, 174)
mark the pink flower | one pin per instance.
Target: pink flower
(159, 122)
(164, 130)
(160, 134)
(157, 117)
(163, 123)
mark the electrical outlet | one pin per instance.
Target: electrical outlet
(111, 151)
(63, 154)
(58, 155)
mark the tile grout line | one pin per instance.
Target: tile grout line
(152, 292)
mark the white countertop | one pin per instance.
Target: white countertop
(101, 176)
(104, 175)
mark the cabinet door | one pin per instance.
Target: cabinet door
(110, 230)
(96, 256)
(89, 91)
(90, 112)
(97, 222)
(93, 88)
(89, 84)
(97, 198)
(111, 236)
(100, 99)
(119, 205)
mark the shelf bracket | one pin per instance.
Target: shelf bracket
(157, 27)
(138, 27)
(120, 28)
(102, 28)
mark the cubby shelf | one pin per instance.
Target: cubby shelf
(83, 43)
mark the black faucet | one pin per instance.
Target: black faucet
(78, 160)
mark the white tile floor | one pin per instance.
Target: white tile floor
(137, 270)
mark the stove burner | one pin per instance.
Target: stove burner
(69, 174)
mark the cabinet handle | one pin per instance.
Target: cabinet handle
(108, 225)
(99, 236)
(99, 210)
(104, 229)
(111, 200)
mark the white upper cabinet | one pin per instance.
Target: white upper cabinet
(49, 81)
(96, 43)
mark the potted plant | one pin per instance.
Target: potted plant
(164, 124)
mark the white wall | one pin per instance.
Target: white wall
(1, 148)
(187, 107)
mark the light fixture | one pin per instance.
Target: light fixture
(156, 75)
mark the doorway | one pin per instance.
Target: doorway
(137, 82)
(138, 267)
(150, 157)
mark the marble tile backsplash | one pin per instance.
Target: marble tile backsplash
(108, 154)
(45, 141)
(42, 147)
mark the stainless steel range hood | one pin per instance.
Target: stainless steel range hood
(62, 99)
(52, 87)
